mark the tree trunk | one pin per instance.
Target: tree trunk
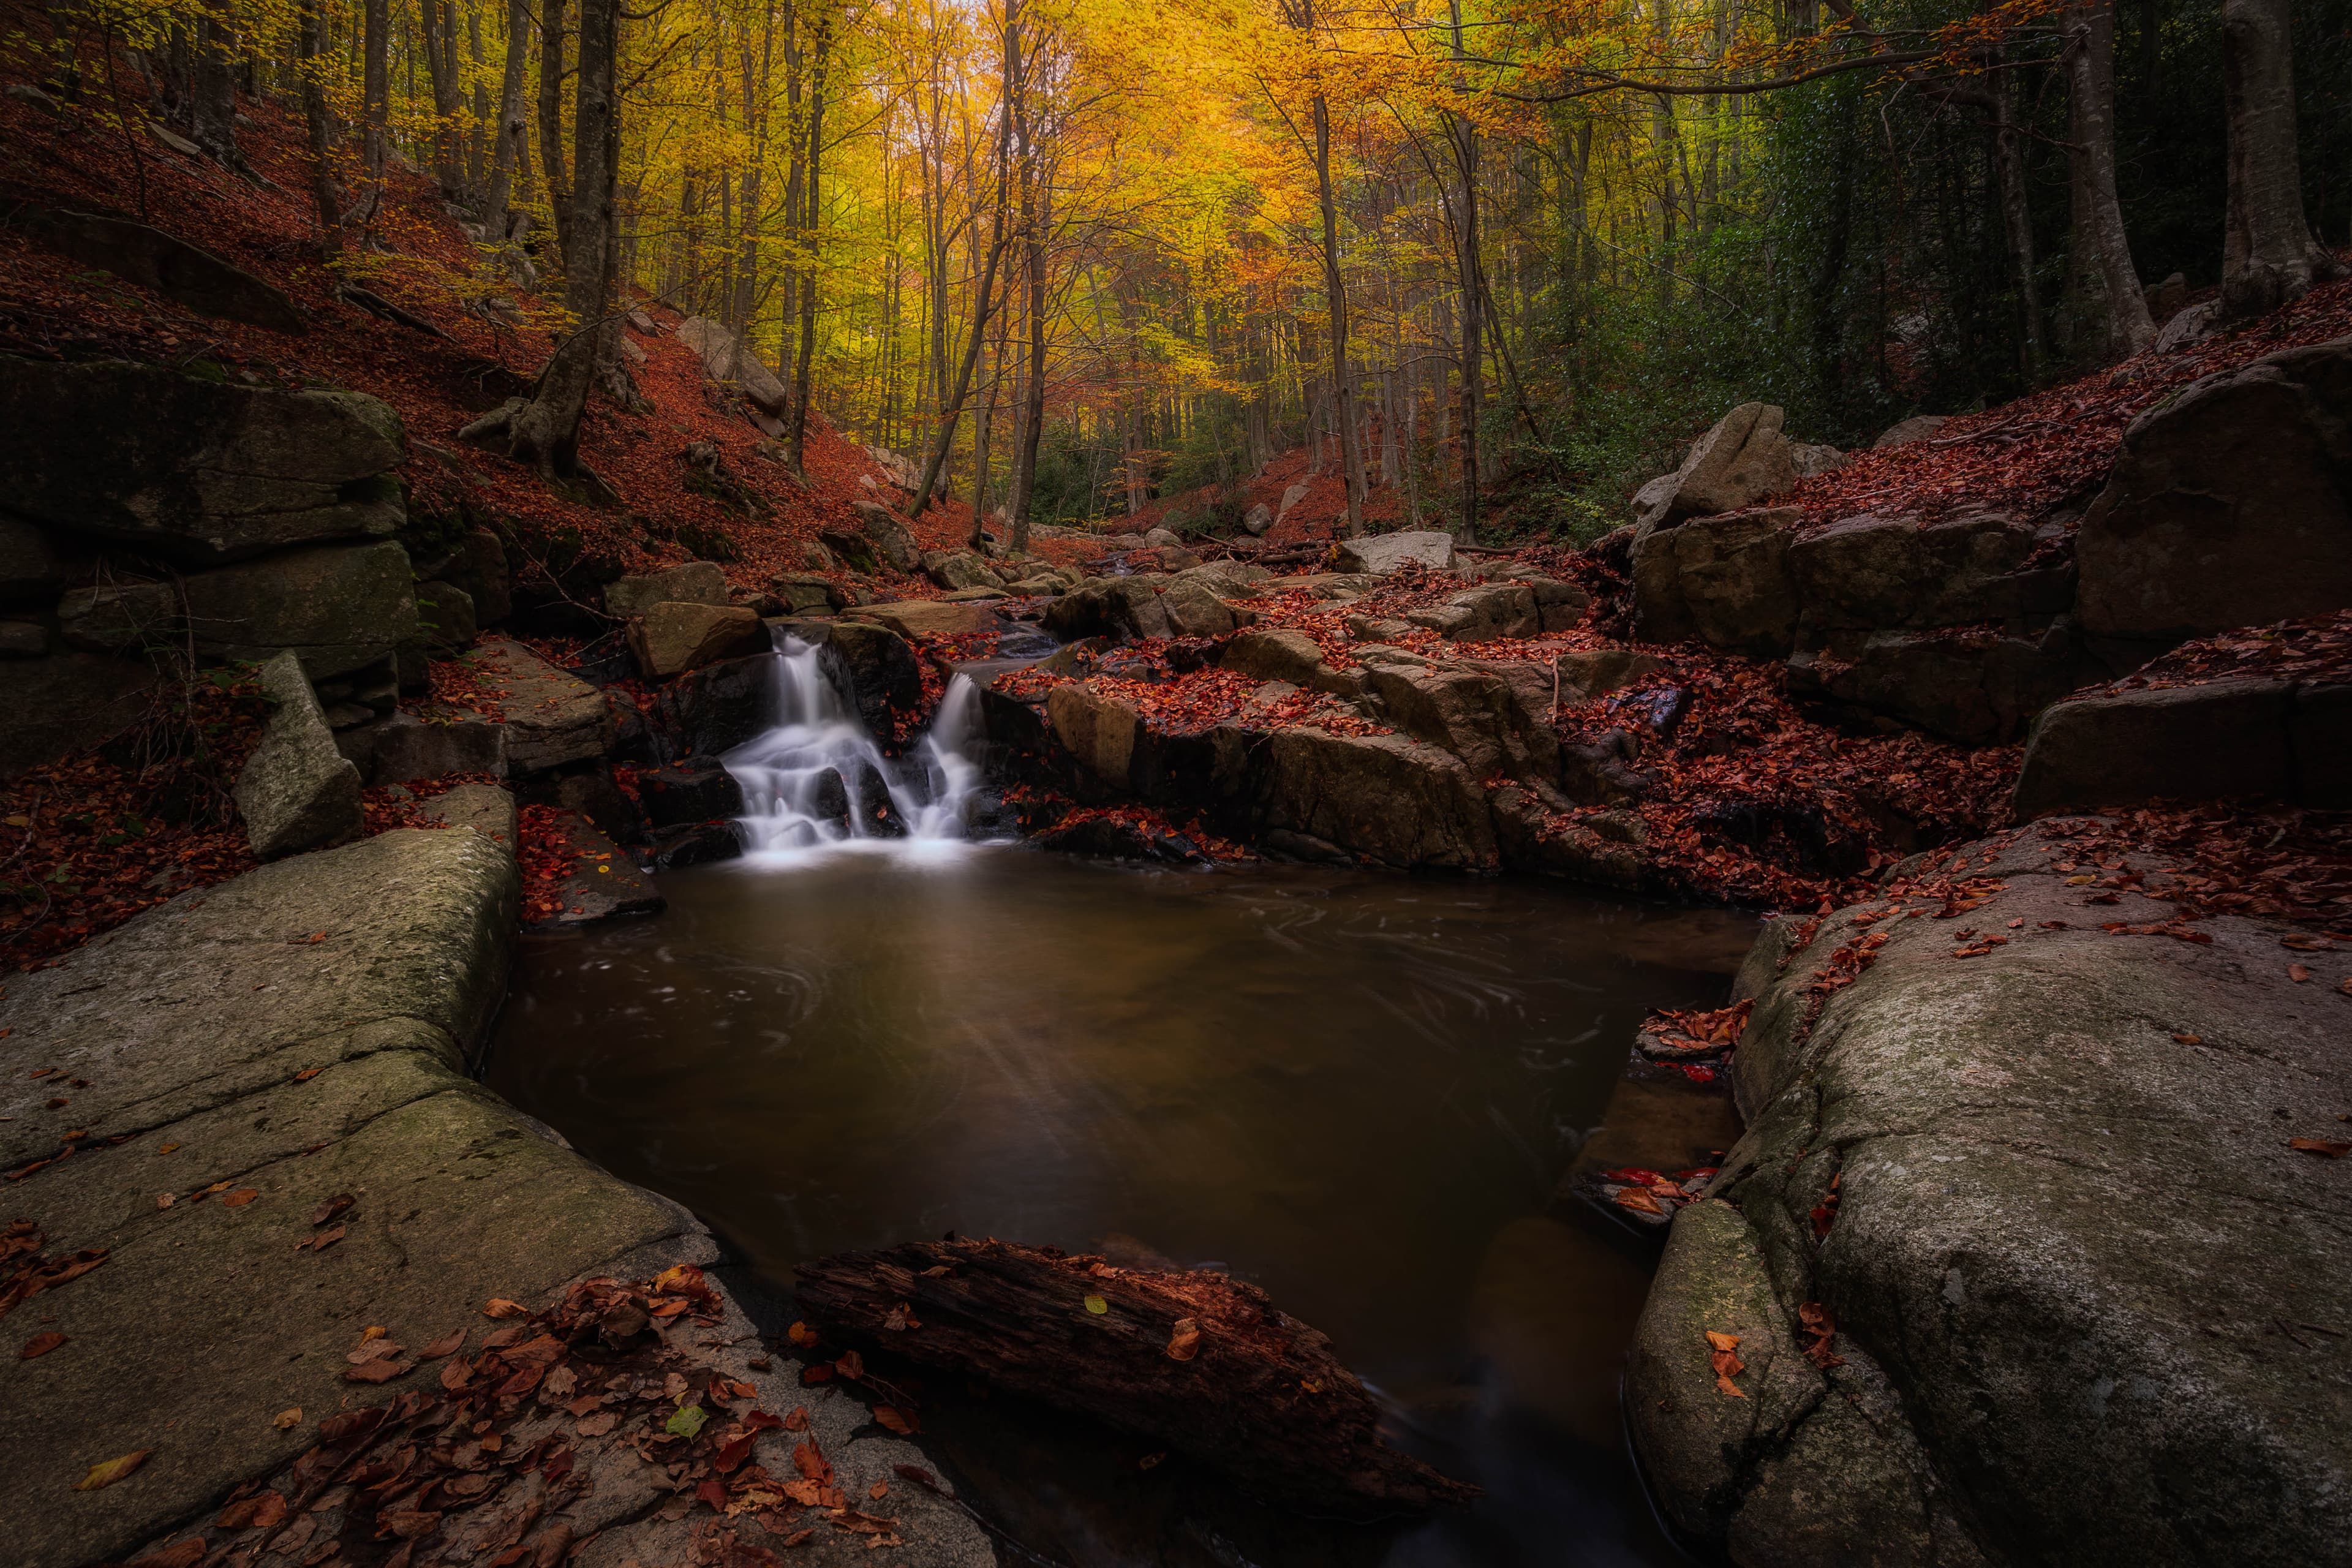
(437, 20)
(545, 430)
(212, 101)
(376, 88)
(1343, 410)
(550, 121)
(1200, 1362)
(953, 409)
(318, 124)
(2099, 218)
(2017, 217)
(507, 157)
(2269, 255)
(804, 370)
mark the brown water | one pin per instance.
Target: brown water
(1358, 1091)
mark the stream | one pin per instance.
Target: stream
(1357, 1090)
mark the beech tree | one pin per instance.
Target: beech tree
(2269, 253)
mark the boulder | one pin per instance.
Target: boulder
(1099, 732)
(28, 567)
(1477, 615)
(199, 471)
(1291, 496)
(1876, 571)
(1918, 428)
(1560, 606)
(670, 639)
(2229, 505)
(878, 669)
(1387, 798)
(807, 593)
(694, 583)
(119, 617)
(1107, 606)
(340, 606)
(23, 639)
(1599, 671)
(1194, 610)
(1743, 459)
(2193, 325)
(406, 748)
(1258, 519)
(1471, 713)
(2039, 1203)
(486, 809)
(1379, 555)
(1973, 685)
(890, 536)
(1721, 580)
(1275, 653)
(707, 711)
(728, 362)
(444, 614)
(927, 617)
(1815, 459)
(2225, 740)
(687, 793)
(297, 792)
(599, 884)
(478, 567)
(68, 702)
(901, 472)
(1162, 539)
(959, 569)
(163, 262)
(551, 718)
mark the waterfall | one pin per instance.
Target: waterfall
(818, 782)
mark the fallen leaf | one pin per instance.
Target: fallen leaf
(2323, 1146)
(111, 1471)
(164, 1200)
(896, 1319)
(40, 1344)
(239, 1198)
(1722, 1341)
(816, 1372)
(2298, 973)
(185, 1554)
(596, 1425)
(1097, 1305)
(262, 1509)
(2190, 1039)
(916, 1474)
(332, 1208)
(851, 1365)
(894, 1420)
(165, 1148)
(445, 1346)
(802, 1335)
(878, 1491)
(806, 1493)
(378, 1368)
(307, 1074)
(500, 1307)
(285, 1420)
(798, 1420)
(732, 1455)
(687, 1421)
(1184, 1342)
(324, 1240)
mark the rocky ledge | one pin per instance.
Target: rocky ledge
(2037, 1247)
(184, 1098)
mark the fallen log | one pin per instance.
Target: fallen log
(1202, 1363)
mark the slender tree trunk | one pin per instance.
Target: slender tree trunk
(507, 157)
(805, 369)
(2099, 218)
(212, 103)
(953, 409)
(375, 91)
(551, 121)
(2269, 255)
(2017, 216)
(1465, 138)
(318, 124)
(1343, 412)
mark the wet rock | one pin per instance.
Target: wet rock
(199, 471)
(1194, 610)
(1968, 684)
(1918, 428)
(1107, 606)
(478, 568)
(1385, 797)
(602, 883)
(1275, 653)
(807, 593)
(1379, 555)
(23, 639)
(2229, 505)
(406, 748)
(959, 569)
(870, 804)
(669, 639)
(829, 798)
(119, 617)
(1599, 671)
(694, 583)
(1469, 712)
(1109, 838)
(693, 844)
(28, 567)
(685, 793)
(169, 265)
(1722, 580)
(297, 792)
(337, 606)
(2226, 739)
(879, 670)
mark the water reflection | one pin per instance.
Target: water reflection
(1358, 1091)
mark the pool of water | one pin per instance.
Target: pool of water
(1358, 1091)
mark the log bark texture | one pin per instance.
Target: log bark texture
(1261, 1397)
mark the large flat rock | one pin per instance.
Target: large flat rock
(551, 718)
(2089, 1299)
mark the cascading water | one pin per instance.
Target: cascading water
(818, 781)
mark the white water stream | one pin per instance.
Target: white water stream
(819, 783)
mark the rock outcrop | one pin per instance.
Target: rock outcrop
(1742, 459)
(2230, 505)
(2016, 1248)
(140, 254)
(1378, 554)
(694, 583)
(669, 639)
(2240, 739)
(297, 791)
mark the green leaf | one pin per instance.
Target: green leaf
(688, 1422)
(1097, 1305)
